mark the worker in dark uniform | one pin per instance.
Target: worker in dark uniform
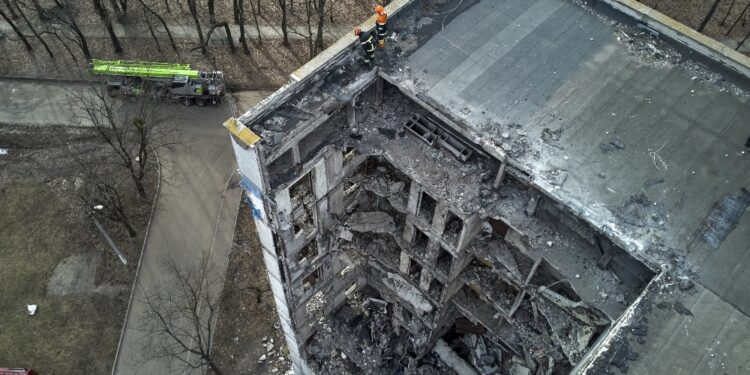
(381, 25)
(368, 44)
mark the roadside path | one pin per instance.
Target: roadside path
(197, 208)
(188, 31)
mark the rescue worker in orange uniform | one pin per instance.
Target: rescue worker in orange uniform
(381, 25)
(368, 44)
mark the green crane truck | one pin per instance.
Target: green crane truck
(162, 80)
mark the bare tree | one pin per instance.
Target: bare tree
(741, 17)
(709, 15)
(131, 130)
(62, 17)
(180, 316)
(101, 10)
(320, 9)
(314, 17)
(284, 31)
(103, 194)
(151, 29)
(15, 29)
(228, 32)
(194, 13)
(255, 8)
(33, 31)
(743, 41)
(211, 12)
(12, 12)
(731, 6)
(239, 16)
(161, 20)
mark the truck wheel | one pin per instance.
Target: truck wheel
(200, 102)
(187, 101)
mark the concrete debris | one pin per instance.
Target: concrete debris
(652, 181)
(519, 369)
(452, 359)
(408, 292)
(685, 284)
(376, 222)
(555, 177)
(551, 136)
(724, 217)
(397, 187)
(676, 306)
(346, 234)
(613, 144)
(642, 212)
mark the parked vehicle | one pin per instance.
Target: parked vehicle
(17, 371)
(161, 80)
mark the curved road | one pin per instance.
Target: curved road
(197, 207)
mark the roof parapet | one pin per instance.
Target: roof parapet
(681, 33)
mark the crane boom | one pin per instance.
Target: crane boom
(143, 69)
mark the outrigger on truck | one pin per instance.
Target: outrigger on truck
(162, 80)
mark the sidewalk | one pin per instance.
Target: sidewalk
(188, 31)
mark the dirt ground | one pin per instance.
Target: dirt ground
(247, 319)
(53, 256)
(267, 66)
(692, 13)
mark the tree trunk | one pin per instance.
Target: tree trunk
(284, 32)
(308, 21)
(13, 14)
(723, 20)
(226, 30)
(81, 38)
(131, 232)
(232, 49)
(256, 10)
(36, 34)
(710, 15)
(211, 12)
(62, 43)
(321, 9)
(741, 17)
(138, 184)
(163, 23)
(17, 31)
(104, 15)
(194, 12)
(241, 17)
(115, 6)
(40, 11)
(743, 41)
(151, 30)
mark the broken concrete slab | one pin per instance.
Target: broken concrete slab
(452, 359)
(375, 221)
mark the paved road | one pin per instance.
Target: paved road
(298, 32)
(197, 208)
(194, 201)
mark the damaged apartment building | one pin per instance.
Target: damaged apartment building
(401, 239)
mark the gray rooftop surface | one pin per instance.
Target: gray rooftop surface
(528, 68)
